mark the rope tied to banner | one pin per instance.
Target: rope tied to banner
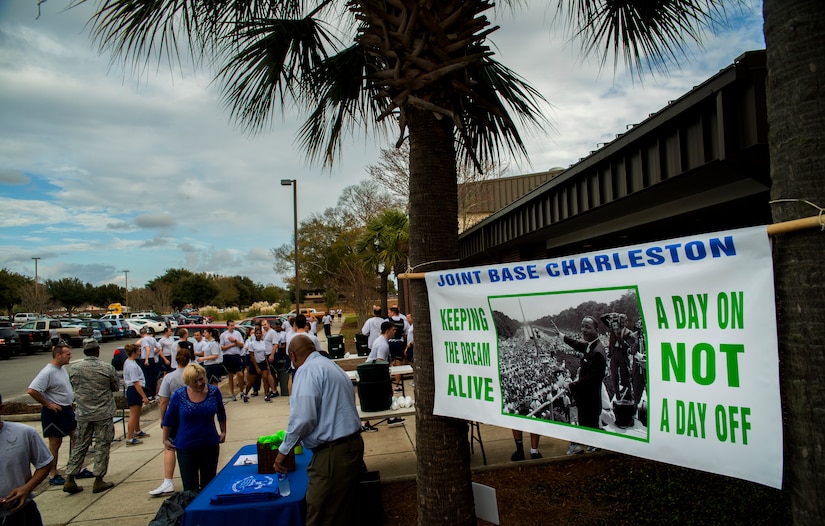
(798, 224)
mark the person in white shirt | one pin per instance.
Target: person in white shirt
(52, 389)
(212, 358)
(257, 351)
(313, 325)
(327, 322)
(381, 347)
(168, 347)
(232, 343)
(301, 328)
(199, 344)
(149, 362)
(372, 327)
(171, 383)
(275, 340)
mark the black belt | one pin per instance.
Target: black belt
(336, 442)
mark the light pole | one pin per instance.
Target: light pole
(294, 184)
(36, 291)
(126, 274)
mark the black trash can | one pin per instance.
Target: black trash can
(361, 344)
(374, 386)
(335, 346)
(369, 499)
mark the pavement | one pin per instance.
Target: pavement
(136, 470)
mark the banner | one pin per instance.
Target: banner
(665, 350)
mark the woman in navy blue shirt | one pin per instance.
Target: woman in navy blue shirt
(192, 411)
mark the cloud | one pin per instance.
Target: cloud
(9, 176)
(162, 220)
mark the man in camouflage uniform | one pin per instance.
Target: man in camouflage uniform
(93, 382)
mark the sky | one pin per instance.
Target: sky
(103, 170)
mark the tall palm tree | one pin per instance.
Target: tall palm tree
(795, 42)
(420, 67)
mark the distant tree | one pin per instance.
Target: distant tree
(228, 294)
(68, 292)
(361, 202)
(106, 294)
(330, 298)
(11, 284)
(384, 246)
(274, 295)
(172, 276)
(247, 291)
(196, 289)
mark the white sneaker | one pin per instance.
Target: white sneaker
(575, 449)
(163, 489)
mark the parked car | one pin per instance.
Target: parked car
(36, 335)
(120, 327)
(113, 316)
(73, 331)
(119, 357)
(170, 320)
(9, 340)
(152, 326)
(107, 332)
(25, 317)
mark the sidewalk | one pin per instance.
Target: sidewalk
(136, 470)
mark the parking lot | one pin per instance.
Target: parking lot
(17, 373)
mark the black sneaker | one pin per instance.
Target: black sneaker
(534, 456)
(368, 428)
(395, 421)
(517, 456)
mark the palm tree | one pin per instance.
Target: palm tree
(423, 65)
(384, 246)
(795, 42)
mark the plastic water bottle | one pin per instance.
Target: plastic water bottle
(283, 485)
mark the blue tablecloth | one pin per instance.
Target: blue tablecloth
(291, 510)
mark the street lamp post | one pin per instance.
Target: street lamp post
(36, 291)
(126, 275)
(294, 184)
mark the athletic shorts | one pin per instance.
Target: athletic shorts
(214, 372)
(58, 423)
(232, 362)
(397, 349)
(133, 397)
(261, 365)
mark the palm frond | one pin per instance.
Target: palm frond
(267, 59)
(342, 103)
(645, 34)
(487, 102)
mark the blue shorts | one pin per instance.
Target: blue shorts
(58, 423)
(133, 397)
(232, 362)
(214, 372)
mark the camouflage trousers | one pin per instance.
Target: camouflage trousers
(103, 432)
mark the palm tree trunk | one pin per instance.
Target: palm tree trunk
(795, 38)
(443, 454)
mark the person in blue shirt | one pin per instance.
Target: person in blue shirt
(192, 412)
(323, 416)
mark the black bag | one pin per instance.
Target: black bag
(171, 511)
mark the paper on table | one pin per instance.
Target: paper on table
(247, 460)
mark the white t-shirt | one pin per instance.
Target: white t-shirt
(313, 325)
(312, 337)
(133, 373)
(230, 338)
(169, 346)
(372, 329)
(149, 344)
(212, 348)
(21, 449)
(199, 346)
(380, 349)
(53, 383)
(171, 383)
(258, 349)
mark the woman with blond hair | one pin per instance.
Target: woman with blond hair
(192, 411)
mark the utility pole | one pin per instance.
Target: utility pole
(126, 274)
(36, 290)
